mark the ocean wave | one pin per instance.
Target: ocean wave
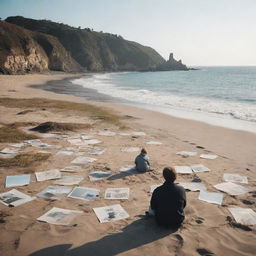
(105, 83)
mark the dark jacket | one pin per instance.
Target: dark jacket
(168, 202)
(142, 163)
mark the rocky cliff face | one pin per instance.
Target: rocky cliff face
(38, 45)
(23, 51)
(95, 51)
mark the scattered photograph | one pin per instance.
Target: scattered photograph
(84, 193)
(17, 180)
(110, 213)
(59, 216)
(117, 193)
(54, 192)
(14, 198)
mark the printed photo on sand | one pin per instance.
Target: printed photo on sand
(110, 213)
(14, 198)
(84, 193)
(59, 216)
(117, 193)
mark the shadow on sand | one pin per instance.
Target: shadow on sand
(123, 174)
(138, 233)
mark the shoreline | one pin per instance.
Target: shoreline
(67, 87)
(211, 137)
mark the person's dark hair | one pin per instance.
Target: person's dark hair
(144, 151)
(169, 174)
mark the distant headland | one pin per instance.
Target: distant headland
(29, 45)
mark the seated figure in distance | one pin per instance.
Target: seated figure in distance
(142, 161)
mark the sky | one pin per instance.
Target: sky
(200, 32)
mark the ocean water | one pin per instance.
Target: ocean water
(222, 96)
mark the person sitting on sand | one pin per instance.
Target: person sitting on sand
(168, 201)
(142, 161)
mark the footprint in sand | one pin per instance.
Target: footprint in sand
(204, 252)
(199, 220)
(179, 239)
(247, 202)
(200, 147)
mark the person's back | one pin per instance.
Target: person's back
(168, 202)
(142, 161)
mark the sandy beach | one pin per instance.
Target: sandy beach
(209, 229)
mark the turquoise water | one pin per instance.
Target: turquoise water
(211, 94)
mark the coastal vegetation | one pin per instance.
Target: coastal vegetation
(13, 135)
(24, 160)
(93, 112)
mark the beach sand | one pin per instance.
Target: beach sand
(207, 230)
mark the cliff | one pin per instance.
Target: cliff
(39, 45)
(23, 51)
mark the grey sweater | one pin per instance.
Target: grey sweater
(142, 162)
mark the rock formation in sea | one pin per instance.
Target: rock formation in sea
(171, 64)
(28, 45)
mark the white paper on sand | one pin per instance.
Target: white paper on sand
(18, 145)
(69, 180)
(193, 186)
(106, 133)
(186, 153)
(130, 149)
(48, 175)
(4, 155)
(124, 134)
(33, 142)
(153, 187)
(86, 137)
(183, 169)
(208, 156)
(96, 151)
(99, 175)
(92, 142)
(154, 142)
(232, 188)
(14, 198)
(74, 136)
(17, 180)
(39, 144)
(52, 135)
(46, 146)
(245, 216)
(139, 133)
(75, 141)
(59, 216)
(214, 198)
(74, 168)
(9, 150)
(80, 160)
(84, 193)
(79, 153)
(236, 178)
(64, 153)
(110, 213)
(54, 192)
(117, 193)
(199, 168)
